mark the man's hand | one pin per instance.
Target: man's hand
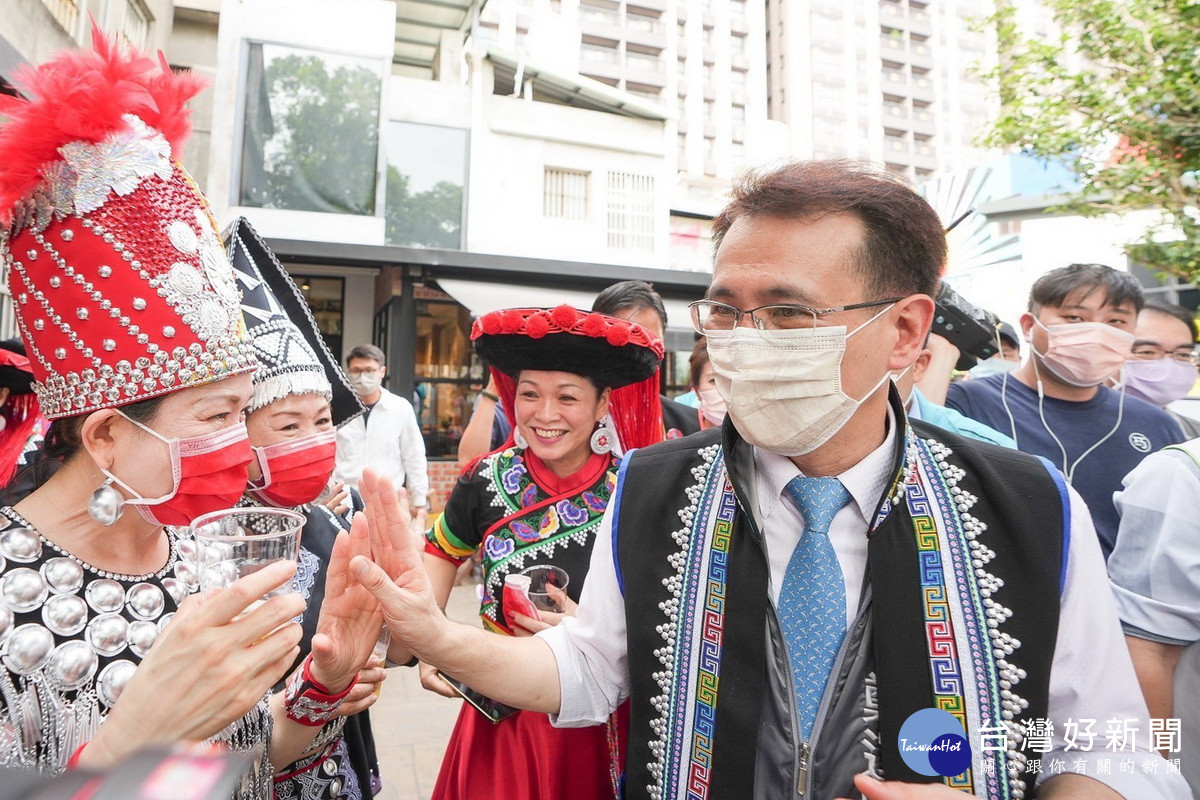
(402, 587)
(895, 790)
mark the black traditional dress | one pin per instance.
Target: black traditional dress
(71, 637)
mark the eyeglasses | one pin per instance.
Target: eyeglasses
(358, 373)
(709, 316)
(1149, 352)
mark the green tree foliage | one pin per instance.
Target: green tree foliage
(1116, 97)
(322, 143)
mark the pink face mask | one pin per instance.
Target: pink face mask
(209, 473)
(1085, 353)
(712, 405)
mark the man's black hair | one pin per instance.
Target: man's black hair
(1053, 288)
(1178, 312)
(629, 295)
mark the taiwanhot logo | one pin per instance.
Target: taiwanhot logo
(933, 742)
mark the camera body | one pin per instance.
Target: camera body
(965, 325)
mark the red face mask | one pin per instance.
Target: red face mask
(294, 472)
(209, 473)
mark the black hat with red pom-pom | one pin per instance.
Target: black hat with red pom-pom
(615, 353)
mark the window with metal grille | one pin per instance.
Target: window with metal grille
(565, 193)
(630, 211)
(65, 11)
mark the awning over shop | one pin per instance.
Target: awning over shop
(480, 297)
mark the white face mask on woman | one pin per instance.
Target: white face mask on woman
(784, 387)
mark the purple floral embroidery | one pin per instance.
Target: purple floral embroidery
(594, 503)
(549, 523)
(496, 548)
(511, 478)
(529, 496)
(570, 513)
(524, 532)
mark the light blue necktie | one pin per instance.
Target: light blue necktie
(812, 600)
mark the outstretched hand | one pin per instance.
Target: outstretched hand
(350, 617)
(394, 573)
(873, 789)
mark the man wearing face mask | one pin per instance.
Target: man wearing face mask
(782, 593)
(918, 407)
(1055, 405)
(387, 438)
(1163, 367)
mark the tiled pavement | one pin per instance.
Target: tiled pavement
(411, 725)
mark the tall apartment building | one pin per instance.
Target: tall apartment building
(702, 61)
(888, 80)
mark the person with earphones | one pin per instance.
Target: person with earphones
(1079, 326)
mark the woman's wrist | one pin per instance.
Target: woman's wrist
(489, 396)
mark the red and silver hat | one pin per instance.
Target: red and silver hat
(122, 289)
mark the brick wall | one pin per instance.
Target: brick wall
(442, 475)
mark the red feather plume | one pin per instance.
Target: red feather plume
(81, 95)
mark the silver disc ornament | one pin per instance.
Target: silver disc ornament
(112, 681)
(20, 544)
(26, 648)
(72, 665)
(106, 596)
(23, 589)
(63, 575)
(145, 600)
(106, 634)
(65, 614)
(141, 637)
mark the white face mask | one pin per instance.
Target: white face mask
(366, 383)
(896, 378)
(784, 388)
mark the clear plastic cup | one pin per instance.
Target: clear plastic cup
(241, 541)
(540, 577)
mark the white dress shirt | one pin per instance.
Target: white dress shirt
(389, 441)
(1091, 677)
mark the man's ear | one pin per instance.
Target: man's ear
(913, 315)
(1027, 326)
(382, 371)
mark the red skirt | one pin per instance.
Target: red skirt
(524, 757)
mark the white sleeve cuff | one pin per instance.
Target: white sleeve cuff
(583, 701)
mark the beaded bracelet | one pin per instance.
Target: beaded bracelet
(307, 701)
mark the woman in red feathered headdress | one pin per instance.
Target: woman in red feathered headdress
(20, 416)
(581, 388)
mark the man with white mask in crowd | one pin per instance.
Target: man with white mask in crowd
(779, 597)
(1079, 327)
(387, 438)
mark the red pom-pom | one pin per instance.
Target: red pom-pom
(512, 320)
(594, 325)
(490, 323)
(538, 325)
(564, 317)
(618, 335)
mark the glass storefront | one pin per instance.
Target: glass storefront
(326, 300)
(448, 374)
